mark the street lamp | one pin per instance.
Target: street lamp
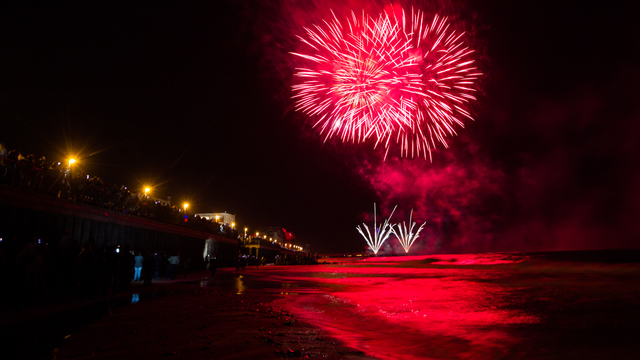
(217, 218)
(146, 191)
(71, 161)
(245, 232)
(233, 225)
(185, 207)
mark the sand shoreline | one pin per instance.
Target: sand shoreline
(193, 320)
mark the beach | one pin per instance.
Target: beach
(564, 305)
(200, 318)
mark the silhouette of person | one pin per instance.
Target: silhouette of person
(213, 265)
(139, 260)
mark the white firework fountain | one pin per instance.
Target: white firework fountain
(405, 234)
(380, 235)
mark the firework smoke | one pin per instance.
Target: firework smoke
(546, 173)
(460, 203)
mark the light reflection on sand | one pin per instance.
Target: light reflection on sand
(452, 306)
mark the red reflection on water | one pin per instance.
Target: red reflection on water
(467, 259)
(392, 308)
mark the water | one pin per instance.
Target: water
(559, 305)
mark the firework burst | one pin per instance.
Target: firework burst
(404, 81)
(380, 234)
(405, 233)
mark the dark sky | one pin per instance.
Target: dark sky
(194, 100)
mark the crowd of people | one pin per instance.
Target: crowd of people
(39, 272)
(63, 270)
(63, 181)
(244, 260)
(300, 259)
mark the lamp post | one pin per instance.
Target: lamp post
(185, 207)
(67, 173)
(146, 191)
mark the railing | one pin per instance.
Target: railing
(263, 242)
(63, 183)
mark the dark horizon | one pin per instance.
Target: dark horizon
(194, 99)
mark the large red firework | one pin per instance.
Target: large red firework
(401, 80)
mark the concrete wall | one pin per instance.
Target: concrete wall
(27, 216)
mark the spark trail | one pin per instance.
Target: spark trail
(403, 80)
(405, 234)
(380, 235)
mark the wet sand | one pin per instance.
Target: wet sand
(476, 306)
(201, 319)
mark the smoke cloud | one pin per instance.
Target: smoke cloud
(560, 175)
(550, 163)
(461, 202)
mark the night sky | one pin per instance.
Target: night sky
(194, 100)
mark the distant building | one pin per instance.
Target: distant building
(222, 218)
(275, 235)
(281, 236)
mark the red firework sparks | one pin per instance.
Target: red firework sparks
(402, 81)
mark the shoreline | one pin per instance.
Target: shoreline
(187, 320)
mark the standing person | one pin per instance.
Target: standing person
(87, 268)
(3, 154)
(186, 265)
(111, 264)
(158, 258)
(148, 268)
(162, 265)
(174, 261)
(213, 265)
(137, 267)
(126, 268)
